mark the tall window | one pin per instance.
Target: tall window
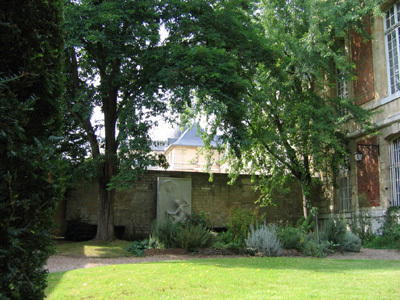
(392, 33)
(395, 171)
(344, 190)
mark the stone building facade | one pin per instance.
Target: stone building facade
(373, 183)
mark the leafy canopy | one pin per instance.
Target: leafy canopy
(286, 123)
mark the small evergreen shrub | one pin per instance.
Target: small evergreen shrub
(163, 234)
(391, 225)
(360, 223)
(137, 248)
(389, 237)
(307, 225)
(383, 242)
(350, 242)
(239, 224)
(193, 238)
(224, 240)
(198, 219)
(264, 240)
(311, 247)
(333, 231)
(289, 237)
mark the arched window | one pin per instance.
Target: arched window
(395, 171)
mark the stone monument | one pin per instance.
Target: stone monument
(174, 198)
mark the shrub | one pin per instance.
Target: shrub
(198, 219)
(390, 231)
(310, 247)
(265, 240)
(137, 247)
(307, 225)
(383, 242)
(224, 240)
(391, 226)
(193, 238)
(289, 237)
(163, 234)
(333, 231)
(31, 180)
(350, 242)
(239, 224)
(360, 223)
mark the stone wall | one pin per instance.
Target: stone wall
(136, 208)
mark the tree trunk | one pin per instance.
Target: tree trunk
(305, 209)
(306, 185)
(105, 224)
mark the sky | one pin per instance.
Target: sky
(159, 133)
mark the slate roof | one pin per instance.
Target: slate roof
(191, 137)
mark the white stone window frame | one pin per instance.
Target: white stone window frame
(394, 168)
(392, 44)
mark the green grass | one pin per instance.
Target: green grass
(94, 249)
(239, 278)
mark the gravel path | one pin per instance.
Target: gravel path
(368, 254)
(58, 263)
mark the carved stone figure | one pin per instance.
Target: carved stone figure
(174, 197)
(179, 215)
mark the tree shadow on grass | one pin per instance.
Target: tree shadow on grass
(94, 249)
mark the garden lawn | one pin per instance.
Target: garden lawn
(94, 248)
(238, 278)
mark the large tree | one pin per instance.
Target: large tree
(117, 61)
(288, 125)
(30, 86)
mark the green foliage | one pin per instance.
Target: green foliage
(197, 220)
(389, 235)
(163, 234)
(311, 247)
(116, 61)
(306, 225)
(167, 234)
(239, 223)
(137, 247)
(224, 240)
(391, 225)
(333, 231)
(264, 239)
(282, 125)
(290, 237)
(360, 224)
(30, 85)
(350, 242)
(194, 237)
(382, 242)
